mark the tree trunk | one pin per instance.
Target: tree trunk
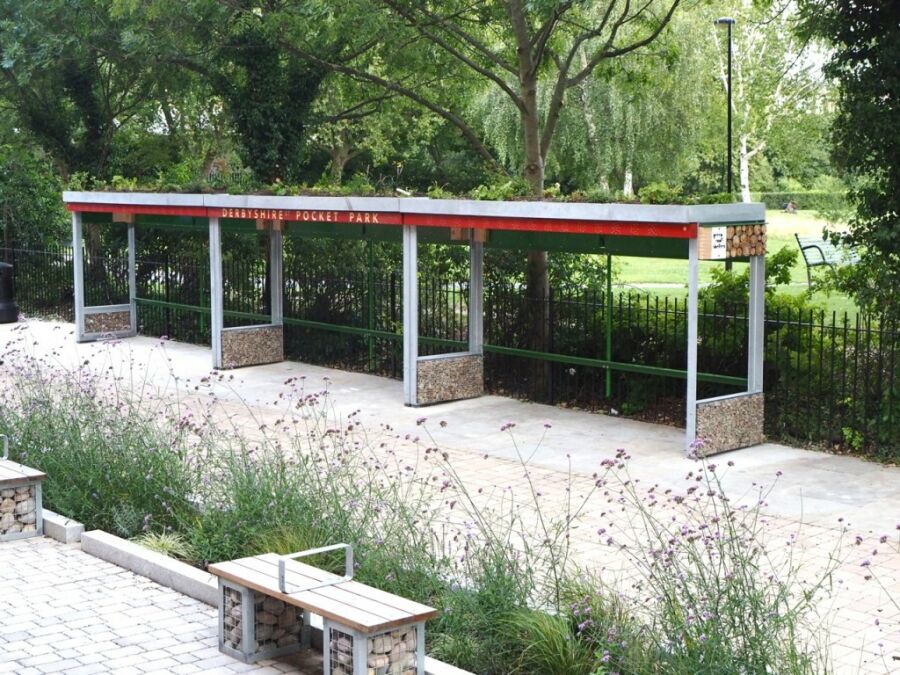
(744, 170)
(341, 153)
(531, 127)
(628, 183)
(537, 275)
(338, 162)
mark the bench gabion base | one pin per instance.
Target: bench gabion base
(400, 651)
(255, 626)
(21, 508)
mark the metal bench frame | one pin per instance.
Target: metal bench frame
(828, 254)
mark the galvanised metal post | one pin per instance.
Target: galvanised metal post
(756, 338)
(609, 324)
(132, 276)
(476, 295)
(217, 322)
(276, 276)
(370, 302)
(693, 290)
(78, 269)
(410, 314)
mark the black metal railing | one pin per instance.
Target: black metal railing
(829, 378)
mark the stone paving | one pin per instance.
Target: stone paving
(64, 611)
(816, 509)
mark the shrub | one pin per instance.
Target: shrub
(660, 193)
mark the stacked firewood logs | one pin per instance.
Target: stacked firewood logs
(745, 240)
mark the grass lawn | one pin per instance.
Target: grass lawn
(669, 277)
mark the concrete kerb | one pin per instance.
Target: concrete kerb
(64, 530)
(189, 580)
(160, 568)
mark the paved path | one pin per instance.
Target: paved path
(64, 611)
(815, 491)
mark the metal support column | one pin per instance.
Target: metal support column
(370, 302)
(78, 268)
(476, 295)
(756, 324)
(692, 317)
(609, 324)
(217, 322)
(276, 274)
(132, 277)
(410, 314)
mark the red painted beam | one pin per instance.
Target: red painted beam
(552, 225)
(557, 225)
(198, 211)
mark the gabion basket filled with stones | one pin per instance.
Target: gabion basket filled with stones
(20, 498)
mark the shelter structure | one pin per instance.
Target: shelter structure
(695, 233)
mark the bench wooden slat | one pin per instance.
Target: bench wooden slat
(349, 604)
(311, 600)
(13, 472)
(362, 590)
(337, 592)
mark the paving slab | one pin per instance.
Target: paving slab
(48, 590)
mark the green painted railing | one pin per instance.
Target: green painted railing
(491, 349)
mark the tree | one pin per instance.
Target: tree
(866, 64)
(352, 119)
(636, 119)
(414, 49)
(31, 212)
(266, 92)
(73, 78)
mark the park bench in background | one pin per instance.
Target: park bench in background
(818, 251)
(265, 603)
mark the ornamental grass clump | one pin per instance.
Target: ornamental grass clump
(111, 463)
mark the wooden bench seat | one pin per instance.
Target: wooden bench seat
(366, 630)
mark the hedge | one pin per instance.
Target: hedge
(815, 200)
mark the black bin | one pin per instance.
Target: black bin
(9, 310)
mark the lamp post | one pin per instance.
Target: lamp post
(729, 22)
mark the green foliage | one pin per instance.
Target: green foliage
(732, 289)
(68, 94)
(493, 578)
(269, 96)
(660, 193)
(815, 200)
(550, 645)
(502, 189)
(866, 137)
(32, 213)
